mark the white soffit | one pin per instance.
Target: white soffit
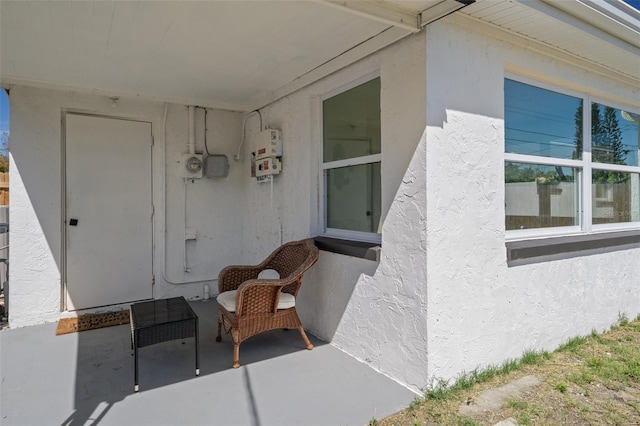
(606, 38)
(241, 55)
(613, 16)
(229, 54)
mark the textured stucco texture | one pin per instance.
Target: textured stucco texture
(441, 300)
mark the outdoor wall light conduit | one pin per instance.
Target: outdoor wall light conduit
(244, 122)
(164, 224)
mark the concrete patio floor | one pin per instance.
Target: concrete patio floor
(87, 378)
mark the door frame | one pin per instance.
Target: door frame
(63, 197)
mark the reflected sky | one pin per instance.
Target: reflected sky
(633, 3)
(539, 122)
(545, 123)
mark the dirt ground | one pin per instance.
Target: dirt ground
(594, 383)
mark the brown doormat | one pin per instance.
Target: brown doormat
(92, 321)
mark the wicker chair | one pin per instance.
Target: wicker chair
(263, 304)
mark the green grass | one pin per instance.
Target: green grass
(561, 387)
(611, 360)
(595, 363)
(526, 413)
(623, 319)
(524, 419)
(443, 390)
(621, 365)
(517, 404)
(535, 358)
(466, 421)
(626, 368)
(581, 378)
(573, 345)
(416, 403)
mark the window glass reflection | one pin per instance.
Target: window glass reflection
(353, 200)
(539, 196)
(615, 197)
(614, 135)
(542, 122)
(351, 123)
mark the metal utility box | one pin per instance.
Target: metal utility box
(268, 144)
(216, 166)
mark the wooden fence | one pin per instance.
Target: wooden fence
(612, 203)
(4, 189)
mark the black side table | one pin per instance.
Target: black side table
(161, 320)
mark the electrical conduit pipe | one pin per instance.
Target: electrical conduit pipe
(164, 200)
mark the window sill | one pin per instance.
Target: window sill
(549, 248)
(363, 250)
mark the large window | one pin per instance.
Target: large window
(571, 163)
(351, 162)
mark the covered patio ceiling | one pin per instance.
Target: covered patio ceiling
(241, 55)
(228, 54)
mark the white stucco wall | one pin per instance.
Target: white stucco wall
(37, 213)
(442, 299)
(35, 238)
(480, 310)
(373, 311)
(344, 299)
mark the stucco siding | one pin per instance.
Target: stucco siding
(37, 186)
(442, 298)
(373, 311)
(481, 310)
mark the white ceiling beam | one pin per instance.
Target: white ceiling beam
(384, 39)
(527, 43)
(8, 82)
(612, 20)
(380, 12)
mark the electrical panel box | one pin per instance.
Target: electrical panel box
(267, 167)
(268, 144)
(266, 161)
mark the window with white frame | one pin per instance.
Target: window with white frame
(351, 162)
(571, 162)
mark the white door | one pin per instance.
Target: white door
(108, 211)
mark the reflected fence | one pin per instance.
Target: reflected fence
(4, 259)
(532, 205)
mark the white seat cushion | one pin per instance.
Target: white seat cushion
(228, 300)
